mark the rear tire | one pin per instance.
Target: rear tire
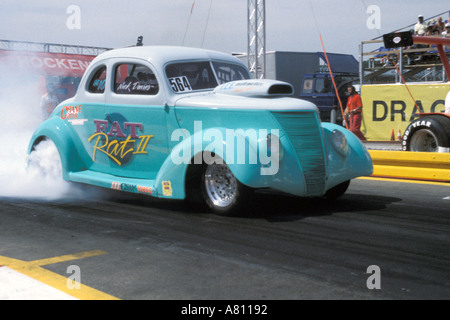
(45, 159)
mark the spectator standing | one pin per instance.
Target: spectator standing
(440, 25)
(49, 101)
(431, 29)
(354, 111)
(446, 32)
(420, 28)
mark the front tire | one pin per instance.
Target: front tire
(222, 192)
(428, 134)
(337, 191)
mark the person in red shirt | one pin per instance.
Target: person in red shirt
(354, 112)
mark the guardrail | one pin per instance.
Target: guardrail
(411, 165)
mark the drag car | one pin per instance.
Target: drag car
(187, 123)
(430, 132)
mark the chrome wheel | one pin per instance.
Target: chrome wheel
(220, 185)
(424, 140)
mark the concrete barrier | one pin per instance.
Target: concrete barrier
(411, 165)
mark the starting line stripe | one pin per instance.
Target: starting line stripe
(31, 273)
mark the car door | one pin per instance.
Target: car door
(82, 113)
(135, 119)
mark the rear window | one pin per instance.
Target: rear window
(98, 81)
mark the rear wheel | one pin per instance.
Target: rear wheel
(45, 173)
(44, 160)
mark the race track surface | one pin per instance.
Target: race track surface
(132, 247)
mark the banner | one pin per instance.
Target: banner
(47, 63)
(388, 109)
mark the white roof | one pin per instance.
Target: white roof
(159, 55)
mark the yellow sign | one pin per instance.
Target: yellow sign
(389, 108)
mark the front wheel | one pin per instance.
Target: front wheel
(223, 193)
(428, 134)
(337, 191)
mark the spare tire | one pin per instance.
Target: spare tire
(428, 134)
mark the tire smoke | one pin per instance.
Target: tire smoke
(20, 112)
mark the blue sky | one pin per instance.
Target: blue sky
(292, 25)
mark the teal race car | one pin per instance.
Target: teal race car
(187, 123)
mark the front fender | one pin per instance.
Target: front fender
(354, 163)
(239, 149)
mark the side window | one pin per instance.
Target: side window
(320, 84)
(323, 85)
(135, 79)
(228, 72)
(97, 84)
(307, 85)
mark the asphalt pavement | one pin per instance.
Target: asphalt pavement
(381, 240)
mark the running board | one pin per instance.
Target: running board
(142, 186)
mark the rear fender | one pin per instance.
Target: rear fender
(57, 131)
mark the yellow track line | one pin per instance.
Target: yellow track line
(34, 270)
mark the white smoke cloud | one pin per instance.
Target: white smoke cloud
(20, 95)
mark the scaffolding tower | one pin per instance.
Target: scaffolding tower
(256, 42)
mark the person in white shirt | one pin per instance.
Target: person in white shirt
(446, 32)
(420, 28)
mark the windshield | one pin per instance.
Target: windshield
(199, 75)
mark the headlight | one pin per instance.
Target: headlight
(339, 142)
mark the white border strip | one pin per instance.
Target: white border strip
(17, 286)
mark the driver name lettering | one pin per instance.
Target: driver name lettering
(117, 145)
(133, 86)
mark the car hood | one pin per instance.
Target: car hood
(220, 101)
(246, 94)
